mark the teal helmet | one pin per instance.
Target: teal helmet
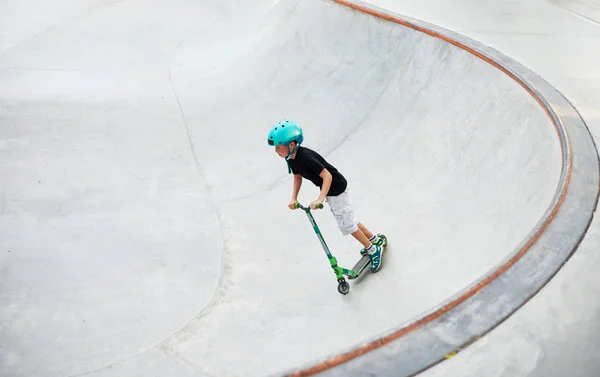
(283, 133)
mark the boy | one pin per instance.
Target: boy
(287, 136)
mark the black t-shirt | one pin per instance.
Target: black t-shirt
(309, 165)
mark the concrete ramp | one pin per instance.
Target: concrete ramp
(145, 229)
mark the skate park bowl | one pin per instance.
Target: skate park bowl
(144, 228)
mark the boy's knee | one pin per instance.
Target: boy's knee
(349, 229)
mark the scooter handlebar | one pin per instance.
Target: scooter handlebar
(298, 205)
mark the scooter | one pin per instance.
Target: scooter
(355, 272)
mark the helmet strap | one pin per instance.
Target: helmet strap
(289, 156)
(291, 152)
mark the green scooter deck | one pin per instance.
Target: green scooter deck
(360, 267)
(363, 263)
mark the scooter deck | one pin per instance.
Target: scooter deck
(364, 262)
(360, 266)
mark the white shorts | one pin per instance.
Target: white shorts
(342, 210)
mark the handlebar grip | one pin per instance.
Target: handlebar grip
(298, 205)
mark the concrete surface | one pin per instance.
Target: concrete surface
(555, 334)
(144, 227)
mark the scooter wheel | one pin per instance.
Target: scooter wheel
(343, 287)
(384, 240)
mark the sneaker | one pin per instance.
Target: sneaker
(363, 252)
(375, 256)
(378, 241)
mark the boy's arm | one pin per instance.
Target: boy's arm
(297, 185)
(327, 178)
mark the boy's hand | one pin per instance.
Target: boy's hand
(292, 204)
(313, 205)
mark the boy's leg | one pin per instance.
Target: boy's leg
(341, 207)
(342, 210)
(375, 239)
(348, 224)
(362, 238)
(366, 231)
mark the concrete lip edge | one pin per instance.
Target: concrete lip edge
(548, 246)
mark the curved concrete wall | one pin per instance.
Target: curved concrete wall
(464, 318)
